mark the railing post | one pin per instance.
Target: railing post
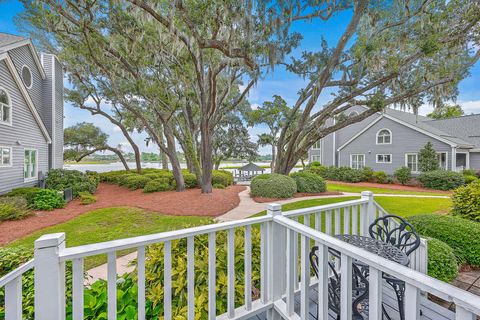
(276, 258)
(370, 214)
(49, 277)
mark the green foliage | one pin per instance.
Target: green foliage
(380, 177)
(218, 186)
(442, 263)
(87, 198)
(48, 199)
(316, 168)
(13, 208)
(156, 186)
(309, 182)
(222, 177)
(469, 179)
(441, 180)
(428, 158)
(403, 175)
(94, 177)
(466, 201)
(461, 234)
(273, 186)
(446, 112)
(346, 174)
(60, 179)
(135, 182)
(190, 180)
(469, 172)
(28, 193)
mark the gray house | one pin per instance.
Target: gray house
(392, 139)
(31, 113)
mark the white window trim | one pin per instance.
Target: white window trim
(316, 155)
(391, 136)
(319, 141)
(383, 154)
(446, 159)
(36, 161)
(31, 76)
(357, 154)
(353, 113)
(406, 160)
(10, 105)
(11, 157)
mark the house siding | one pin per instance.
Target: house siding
(404, 140)
(475, 160)
(25, 131)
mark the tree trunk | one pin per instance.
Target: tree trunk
(122, 158)
(114, 150)
(138, 156)
(206, 158)
(272, 164)
(176, 168)
(217, 164)
(164, 159)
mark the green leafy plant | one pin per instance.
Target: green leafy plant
(316, 168)
(441, 180)
(309, 182)
(136, 182)
(47, 199)
(466, 201)
(380, 177)
(462, 235)
(156, 186)
(469, 179)
(87, 198)
(218, 186)
(94, 177)
(13, 208)
(60, 179)
(428, 158)
(222, 177)
(442, 263)
(190, 180)
(27, 193)
(273, 186)
(403, 175)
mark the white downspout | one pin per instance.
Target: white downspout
(334, 145)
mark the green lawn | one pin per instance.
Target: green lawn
(110, 224)
(386, 190)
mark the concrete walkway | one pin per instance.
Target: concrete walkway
(246, 208)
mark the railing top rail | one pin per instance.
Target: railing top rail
(421, 281)
(128, 243)
(324, 207)
(16, 273)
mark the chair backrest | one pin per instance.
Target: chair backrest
(396, 231)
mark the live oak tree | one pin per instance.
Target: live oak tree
(446, 111)
(84, 139)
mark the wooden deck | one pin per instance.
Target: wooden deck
(429, 310)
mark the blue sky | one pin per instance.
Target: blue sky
(277, 82)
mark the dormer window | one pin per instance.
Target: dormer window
(27, 77)
(384, 136)
(353, 114)
(5, 108)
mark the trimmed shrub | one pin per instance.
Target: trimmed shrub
(94, 177)
(441, 180)
(48, 199)
(156, 186)
(87, 198)
(466, 201)
(122, 180)
(403, 175)
(60, 179)
(469, 179)
(190, 180)
(222, 177)
(309, 182)
(316, 168)
(368, 174)
(380, 177)
(13, 208)
(273, 186)
(442, 263)
(136, 182)
(113, 176)
(469, 172)
(218, 186)
(27, 193)
(462, 235)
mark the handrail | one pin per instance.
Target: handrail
(134, 242)
(421, 281)
(338, 205)
(16, 273)
(379, 207)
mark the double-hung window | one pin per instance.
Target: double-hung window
(5, 108)
(411, 161)
(357, 161)
(5, 157)
(384, 158)
(30, 168)
(442, 160)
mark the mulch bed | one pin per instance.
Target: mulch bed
(387, 186)
(296, 195)
(188, 203)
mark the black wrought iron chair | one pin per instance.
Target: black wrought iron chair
(359, 287)
(398, 232)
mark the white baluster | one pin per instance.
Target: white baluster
(77, 289)
(328, 222)
(212, 274)
(305, 276)
(322, 282)
(295, 256)
(231, 273)
(318, 221)
(248, 267)
(463, 314)
(191, 278)
(412, 302)
(375, 294)
(13, 299)
(337, 221)
(306, 220)
(346, 220)
(112, 285)
(346, 288)
(263, 263)
(141, 282)
(355, 220)
(290, 277)
(167, 280)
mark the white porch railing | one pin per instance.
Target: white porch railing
(281, 276)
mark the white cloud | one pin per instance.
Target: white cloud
(255, 106)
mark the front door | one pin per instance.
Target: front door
(461, 161)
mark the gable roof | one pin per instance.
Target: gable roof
(423, 125)
(251, 167)
(20, 85)
(9, 42)
(466, 127)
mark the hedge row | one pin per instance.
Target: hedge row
(274, 185)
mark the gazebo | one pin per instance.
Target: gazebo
(248, 171)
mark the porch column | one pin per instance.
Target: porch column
(467, 160)
(49, 277)
(454, 159)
